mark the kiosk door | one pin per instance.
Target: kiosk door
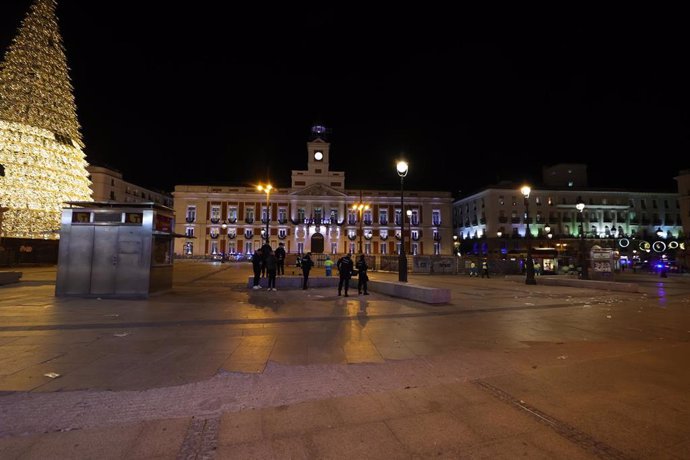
(118, 265)
(104, 262)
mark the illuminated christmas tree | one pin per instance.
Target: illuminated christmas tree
(42, 163)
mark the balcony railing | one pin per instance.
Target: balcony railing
(383, 221)
(190, 219)
(232, 220)
(215, 220)
(249, 220)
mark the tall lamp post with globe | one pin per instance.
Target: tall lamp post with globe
(529, 263)
(580, 206)
(402, 168)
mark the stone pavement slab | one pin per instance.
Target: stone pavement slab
(215, 370)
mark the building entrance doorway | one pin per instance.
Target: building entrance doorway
(317, 243)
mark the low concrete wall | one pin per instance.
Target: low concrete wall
(563, 280)
(9, 277)
(394, 289)
(411, 291)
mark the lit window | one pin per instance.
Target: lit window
(436, 217)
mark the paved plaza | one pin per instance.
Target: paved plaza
(215, 370)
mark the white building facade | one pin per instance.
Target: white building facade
(492, 223)
(108, 185)
(314, 215)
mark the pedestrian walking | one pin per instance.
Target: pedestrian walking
(345, 267)
(473, 269)
(271, 266)
(485, 268)
(257, 261)
(363, 278)
(328, 264)
(280, 258)
(306, 264)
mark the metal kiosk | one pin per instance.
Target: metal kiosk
(110, 249)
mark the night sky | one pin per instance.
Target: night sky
(215, 93)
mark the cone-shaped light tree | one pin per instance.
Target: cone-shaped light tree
(42, 162)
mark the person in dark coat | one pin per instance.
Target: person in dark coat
(271, 266)
(363, 278)
(345, 267)
(280, 258)
(265, 250)
(306, 264)
(257, 261)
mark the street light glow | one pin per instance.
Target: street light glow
(401, 166)
(267, 190)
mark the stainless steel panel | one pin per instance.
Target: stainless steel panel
(105, 260)
(133, 261)
(74, 263)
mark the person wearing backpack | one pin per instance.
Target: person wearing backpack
(306, 264)
(363, 278)
(345, 267)
(280, 259)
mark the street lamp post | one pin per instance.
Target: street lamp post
(529, 264)
(580, 206)
(267, 190)
(402, 168)
(360, 208)
(223, 254)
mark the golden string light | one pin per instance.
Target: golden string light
(41, 150)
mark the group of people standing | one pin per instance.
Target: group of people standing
(348, 269)
(474, 270)
(269, 263)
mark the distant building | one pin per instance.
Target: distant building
(683, 180)
(314, 215)
(492, 221)
(108, 185)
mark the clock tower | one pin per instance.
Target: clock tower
(318, 156)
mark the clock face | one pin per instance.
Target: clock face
(318, 155)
